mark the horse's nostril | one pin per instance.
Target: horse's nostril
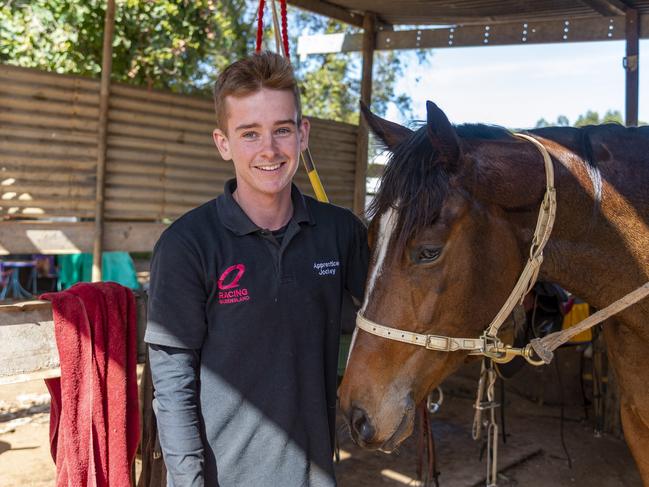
(361, 425)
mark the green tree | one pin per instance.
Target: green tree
(331, 82)
(169, 44)
(591, 117)
(181, 45)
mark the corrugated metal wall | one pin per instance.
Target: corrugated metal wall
(161, 159)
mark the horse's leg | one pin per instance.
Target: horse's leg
(627, 352)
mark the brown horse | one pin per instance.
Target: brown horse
(451, 230)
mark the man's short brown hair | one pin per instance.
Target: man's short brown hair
(249, 75)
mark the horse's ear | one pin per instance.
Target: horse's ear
(390, 133)
(442, 135)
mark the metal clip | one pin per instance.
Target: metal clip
(434, 406)
(500, 353)
(492, 347)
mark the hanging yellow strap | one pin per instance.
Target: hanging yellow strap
(314, 177)
(307, 159)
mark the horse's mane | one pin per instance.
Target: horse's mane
(416, 184)
(482, 131)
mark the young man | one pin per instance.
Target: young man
(245, 303)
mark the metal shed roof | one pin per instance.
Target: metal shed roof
(466, 12)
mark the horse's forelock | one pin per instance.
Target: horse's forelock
(415, 184)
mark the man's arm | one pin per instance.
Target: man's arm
(175, 379)
(176, 327)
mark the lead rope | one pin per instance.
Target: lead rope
(429, 475)
(486, 388)
(260, 25)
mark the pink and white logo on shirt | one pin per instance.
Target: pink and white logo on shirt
(229, 291)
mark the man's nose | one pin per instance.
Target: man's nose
(269, 146)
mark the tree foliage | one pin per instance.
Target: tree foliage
(169, 44)
(331, 82)
(591, 117)
(181, 45)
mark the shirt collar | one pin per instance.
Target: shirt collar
(236, 220)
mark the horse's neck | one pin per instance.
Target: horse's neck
(599, 246)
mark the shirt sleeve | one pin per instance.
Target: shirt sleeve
(175, 380)
(177, 295)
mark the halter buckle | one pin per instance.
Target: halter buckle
(492, 347)
(430, 345)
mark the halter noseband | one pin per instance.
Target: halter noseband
(488, 344)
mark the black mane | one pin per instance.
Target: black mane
(482, 131)
(415, 182)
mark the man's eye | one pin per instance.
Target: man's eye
(249, 135)
(425, 254)
(283, 131)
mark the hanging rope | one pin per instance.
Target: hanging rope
(260, 25)
(486, 389)
(284, 16)
(282, 44)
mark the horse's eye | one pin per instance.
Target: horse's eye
(426, 254)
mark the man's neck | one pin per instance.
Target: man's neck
(271, 211)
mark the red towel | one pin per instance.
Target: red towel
(94, 421)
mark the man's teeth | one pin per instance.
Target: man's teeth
(274, 167)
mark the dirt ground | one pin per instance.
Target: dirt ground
(532, 456)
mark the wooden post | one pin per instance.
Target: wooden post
(369, 42)
(612, 418)
(631, 65)
(104, 93)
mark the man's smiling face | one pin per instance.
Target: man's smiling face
(263, 139)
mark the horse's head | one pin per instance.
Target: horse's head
(444, 260)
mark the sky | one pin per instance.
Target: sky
(515, 86)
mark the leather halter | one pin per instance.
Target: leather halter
(488, 344)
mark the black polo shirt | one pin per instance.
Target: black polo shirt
(265, 317)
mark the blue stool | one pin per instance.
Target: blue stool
(12, 284)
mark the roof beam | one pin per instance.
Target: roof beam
(607, 8)
(323, 7)
(512, 33)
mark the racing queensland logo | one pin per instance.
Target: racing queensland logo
(229, 290)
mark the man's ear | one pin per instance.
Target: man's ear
(390, 133)
(222, 144)
(305, 129)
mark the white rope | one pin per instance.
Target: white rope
(486, 388)
(544, 347)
